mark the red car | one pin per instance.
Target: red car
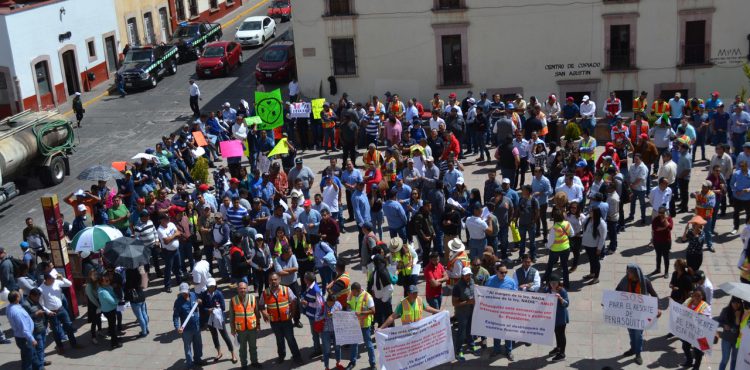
(277, 63)
(219, 58)
(280, 9)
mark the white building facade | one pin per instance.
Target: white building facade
(51, 49)
(532, 47)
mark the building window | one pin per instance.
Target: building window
(626, 99)
(339, 7)
(179, 7)
(148, 24)
(449, 4)
(214, 4)
(619, 46)
(453, 67)
(133, 32)
(695, 42)
(193, 7)
(344, 57)
(42, 78)
(91, 49)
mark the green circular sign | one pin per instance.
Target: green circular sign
(269, 110)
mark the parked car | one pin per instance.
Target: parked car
(280, 9)
(277, 63)
(144, 66)
(219, 58)
(255, 31)
(190, 38)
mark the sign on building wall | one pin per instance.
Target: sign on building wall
(573, 70)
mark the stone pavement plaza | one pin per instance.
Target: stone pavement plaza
(591, 344)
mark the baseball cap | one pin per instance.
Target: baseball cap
(715, 94)
(506, 181)
(298, 160)
(234, 180)
(644, 136)
(570, 98)
(211, 282)
(141, 200)
(299, 226)
(414, 289)
(452, 95)
(585, 98)
(708, 184)
(746, 144)
(460, 181)
(218, 215)
(203, 187)
(258, 236)
(81, 208)
(307, 203)
(184, 288)
(466, 271)
(24, 245)
(143, 213)
(79, 193)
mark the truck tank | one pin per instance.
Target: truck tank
(31, 140)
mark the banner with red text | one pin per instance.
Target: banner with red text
(692, 327)
(420, 345)
(513, 315)
(629, 310)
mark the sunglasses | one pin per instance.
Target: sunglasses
(503, 272)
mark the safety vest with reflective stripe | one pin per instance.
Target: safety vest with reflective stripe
(411, 313)
(343, 293)
(699, 308)
(659, 109)
(702, 207)
(639, 106)
(359, 304)
(636, 131)
(745, 274)
(403, 256)
(465, 262)
(589, 156)
(743, 323)
(277, 306)
(562, 231)
(244, 313)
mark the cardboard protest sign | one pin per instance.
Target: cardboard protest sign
(630, 310)
(514, 315)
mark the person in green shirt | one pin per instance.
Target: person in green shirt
(480, 275)
(119, 216)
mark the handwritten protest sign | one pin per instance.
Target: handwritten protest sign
(317, 107)
(690, 326)
(300, 110)
(346, 328)
(630, 310)
(420, 345)
(514, 315)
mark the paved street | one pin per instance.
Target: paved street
(115, 129)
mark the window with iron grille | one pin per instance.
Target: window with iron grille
(448, 4)
(193, 5)
(453, 68)
(214, 4)
(179, 7)
(619, 47)
(344, 57)
(41, 70)
(626, 99)
(695, 42)
(339, 7)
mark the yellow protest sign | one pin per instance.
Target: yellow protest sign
(317, 107)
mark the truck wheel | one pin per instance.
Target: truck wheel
(172, 67)
(54, 173)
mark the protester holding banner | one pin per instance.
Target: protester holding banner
(697, 303)
(502, 281)
(635, 282)
(463, 303)
(363, 305)
(410, 309)
(185, 317)
(730, 319)
(561, 316)
(327, 336)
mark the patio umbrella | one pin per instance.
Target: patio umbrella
(99, 173)
(94, 238)
(127, 252)
(146, 156)
(739, 290)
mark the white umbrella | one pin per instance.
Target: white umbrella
(146, 156)
(94, 238)
(739, 290)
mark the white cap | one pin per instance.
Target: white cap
(466, 271)
(429, 158)
(85, 254)
(227, 105)
(78, 94)
(299, 226)
(585, 98)
(81, 208)
(211, 282)
(258, 236)
(79, 193)
(460, 181)
(184, 288)
(506, 181)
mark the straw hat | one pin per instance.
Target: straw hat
(395, 244)
(456, 245)
(697, 220)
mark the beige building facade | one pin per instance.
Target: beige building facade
(532, 47)
(142, 22)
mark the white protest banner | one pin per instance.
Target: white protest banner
(300, 110)
(690, 326)
(346, 328)
(189, 315)
(513, 315)
(630, 310)
(420, 345)
(743, 354)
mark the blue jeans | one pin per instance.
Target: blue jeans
(327, 338)
(317, 130)
(28, 358)
(437, 242)
(191, 342)
(496, 346)
(186, 252)
(636, 340)
(707, 233)
(61, 323)
(326, 275)
(728, 349)
(401, 232)
(41, 339)
(141, 314)
(435, 302)
(328, 137)
(368, 344)
(674, 122)
(639, 195)
(171, 265)
(737, 141)
(529, 230)
(503, 241)
(476, 247)
(315, 336)
(588, 123)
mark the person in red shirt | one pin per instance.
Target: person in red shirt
(661, 230)
(584, 173)
(452, 147)
(435, 276)
(609, 151)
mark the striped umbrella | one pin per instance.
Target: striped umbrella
(94, 238)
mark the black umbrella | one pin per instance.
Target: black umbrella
(99, 173)
(127, 252)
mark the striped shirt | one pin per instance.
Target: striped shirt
(146, 232)
(235, 215)
(373, 126)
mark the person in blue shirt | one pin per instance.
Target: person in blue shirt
(310, 218)
(265, 190)
(395, 215)
(361, 207)
(501, 280)
(719, 125)
(191, 333)
(23, 331)
(713, 104)
(350, 176)
(741, 190)
(417, 132)
(403, 192)
(570, 110)
(510, 193)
